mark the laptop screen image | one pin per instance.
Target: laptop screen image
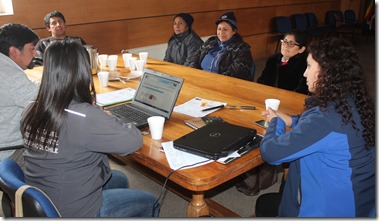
(156, 95)
(158, 92)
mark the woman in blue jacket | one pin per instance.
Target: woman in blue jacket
(331, 147)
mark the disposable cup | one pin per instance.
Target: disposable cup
(103, 78)
(102, 60)
(125, 58)
(272, 103)
(156, 126)
(143, 56)
(132, 65)
(139, 65)
(112, 63)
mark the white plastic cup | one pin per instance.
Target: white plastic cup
(140, 65)
(143, 56)
(102, 60)
(112, 63)
(132, 65)
(103, 78)
(272, 103)
(125, 58)
(156, 126)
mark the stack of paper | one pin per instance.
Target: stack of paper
(115, 97)
(195, 107)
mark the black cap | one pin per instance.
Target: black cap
(186, 17)
(228, 17)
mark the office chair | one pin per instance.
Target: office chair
(351, 19)
(313, 24)
(336, 21)
(301, 23)
(35, 203)
(283, 25)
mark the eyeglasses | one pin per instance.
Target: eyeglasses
(290, 44)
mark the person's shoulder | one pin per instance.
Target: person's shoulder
(238, 41)
(47, 39)
(211, 39)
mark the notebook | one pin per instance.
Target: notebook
(156, 95)
(215, 140)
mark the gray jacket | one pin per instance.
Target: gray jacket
(182, 46)
(16, 92)
(74, 173)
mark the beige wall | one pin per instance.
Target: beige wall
(113, 25)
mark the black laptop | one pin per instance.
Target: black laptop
(215, 140)
(156, 95)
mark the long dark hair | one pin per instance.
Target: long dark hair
(66, 77)
(340, 77)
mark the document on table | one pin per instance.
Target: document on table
(195, 106)
(178, 159)
(115, 97)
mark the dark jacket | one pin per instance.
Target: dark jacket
(43, 43)
(182, 46)
(236, 62)
(289, 76)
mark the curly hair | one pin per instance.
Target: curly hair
(341, 77)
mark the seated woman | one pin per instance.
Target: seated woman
(331, 147)
(67, 139)
(285, 69)
(226, 53)
(184, 42)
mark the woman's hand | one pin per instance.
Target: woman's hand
(270, 113)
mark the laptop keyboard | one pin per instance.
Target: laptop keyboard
(130, 113)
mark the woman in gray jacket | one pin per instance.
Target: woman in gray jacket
(184, 42)
(67, 139)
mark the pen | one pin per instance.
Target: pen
(212, 108)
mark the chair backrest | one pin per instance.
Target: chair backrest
(350, 17)
(283, 24)
(312, 19)
(301, 22)
(330, 19)
(35, 202)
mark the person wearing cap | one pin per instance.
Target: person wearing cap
(55, 23)
(184, 42)
(226, 53)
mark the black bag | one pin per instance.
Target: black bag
(258, 179)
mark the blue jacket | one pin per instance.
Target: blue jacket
(331, 174)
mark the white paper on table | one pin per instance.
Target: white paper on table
(115, 97)
(193, 107)
(235, 154)
(177, 159)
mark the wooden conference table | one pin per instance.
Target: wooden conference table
(150, 161)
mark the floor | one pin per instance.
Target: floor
(227, 195)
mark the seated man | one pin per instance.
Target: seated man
(16, 54)
(56, 24)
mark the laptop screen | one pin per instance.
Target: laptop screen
(157, 92)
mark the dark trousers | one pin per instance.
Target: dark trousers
(267, 205)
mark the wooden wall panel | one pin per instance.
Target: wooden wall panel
(122, 24)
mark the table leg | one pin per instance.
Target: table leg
(197, 207)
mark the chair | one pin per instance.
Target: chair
(336, 21)
(301, 23)
(313, 24)
(283, 25)
(351, 19)
(35, 203)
